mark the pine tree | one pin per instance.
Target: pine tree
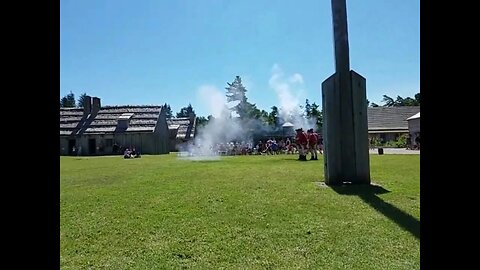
(68, 101)
(80, 100)
(168, 111)
(236, 92)
(185, 111)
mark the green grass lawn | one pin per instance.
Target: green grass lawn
(243, 212)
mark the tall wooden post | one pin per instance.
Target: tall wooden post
(344, 103)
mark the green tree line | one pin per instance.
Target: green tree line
(236, 92)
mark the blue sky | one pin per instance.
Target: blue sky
(151, 52)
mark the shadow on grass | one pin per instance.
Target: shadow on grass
(368, 194)
(296, 159)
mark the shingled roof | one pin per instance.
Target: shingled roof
(69, 119)
(184, 125)
(141, 119)
(384, 119)
(416, 116)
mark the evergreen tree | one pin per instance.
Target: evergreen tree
(312, 111)
(273, 116)
(185, 111)
(68, 101)
(80, 100)
(389, 102)
(236, 92)
(202, 121)
(168, 111)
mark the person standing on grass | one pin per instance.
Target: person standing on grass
(320, 144)
(312, 143)
(288, 146)
(302, 143)
(259, 147)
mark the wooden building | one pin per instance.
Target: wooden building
(388, 123)
(414, 128)
(181, 131)
(96, 130)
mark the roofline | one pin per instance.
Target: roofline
(130, 106)
(415, 116)
(116, 133)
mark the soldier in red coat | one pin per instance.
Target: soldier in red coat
(302, 143)
(312, 143)
(320, 144)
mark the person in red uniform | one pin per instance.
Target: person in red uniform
(312, 143)
(302, 143)
(320, 144)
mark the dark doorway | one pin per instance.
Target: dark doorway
(91, 146)
(71, 147)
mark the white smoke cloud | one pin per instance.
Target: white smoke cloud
(296, 78)
(290, 93)
(225, 127)
(213, 99)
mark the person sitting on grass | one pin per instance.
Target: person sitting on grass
(135, 153)
(127, 153)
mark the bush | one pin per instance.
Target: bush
(376, 142)
(401, 142)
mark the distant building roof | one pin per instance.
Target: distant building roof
(414, 116)
(385, 119)
(142, 119)
(69, 120)
(175, 127)
(125, 116)
(185, 126)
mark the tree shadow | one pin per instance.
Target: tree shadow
(368, 194)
